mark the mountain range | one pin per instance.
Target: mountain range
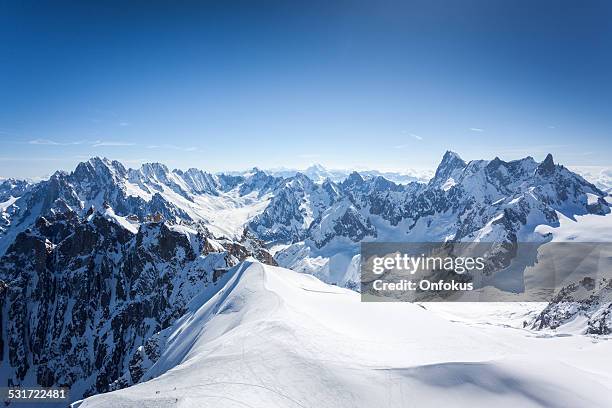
(102, 268)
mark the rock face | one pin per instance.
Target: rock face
(587, 304)
(84, 297)
(13, 188)
(10, 191)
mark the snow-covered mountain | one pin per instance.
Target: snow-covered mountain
(83, 296)
(223, 203)
(103, 267)
(316, 227)
(11, 188)
(488, 201)
(272, 337)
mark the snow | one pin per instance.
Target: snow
(448, 184)
(6, 204)
(275, 338)
(133, 190)
(110, 215)
(226, 214)
(592, 199)
(585, 228)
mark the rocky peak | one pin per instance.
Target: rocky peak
(261, 181)
(547, 167)
(451, 162)
(199, 181)
(156, 171)
(13, 188)
(302, 180)
(99, 169)
(353, 180)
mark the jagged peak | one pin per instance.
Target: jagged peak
(547, 166)
(193, 170)
(353, 179)
(12, 181)
(449, 154)
(101, 166)
(256, 174)
(95, 160)
(58, 174)
(450, 161)
(495, 164)
(149, 169)
(452, 158)
(301, 176)
(154, 165)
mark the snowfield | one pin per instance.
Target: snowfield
(276, 338)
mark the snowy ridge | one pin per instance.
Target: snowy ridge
(272, 337)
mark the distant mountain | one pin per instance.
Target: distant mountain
(13, 188)
(318, 174)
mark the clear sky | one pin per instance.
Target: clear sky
(230, 85)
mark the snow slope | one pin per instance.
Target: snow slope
(584, 228)
(275, 338)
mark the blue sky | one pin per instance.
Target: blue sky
(230, 85)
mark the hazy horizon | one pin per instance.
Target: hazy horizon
(422, 173)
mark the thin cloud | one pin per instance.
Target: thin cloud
(417, 137)
(49, 142)
(30, 159)
(112, 143)
(476, 129)
(173, 147)
(406, 145)
(94, 143)
(124, 124)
